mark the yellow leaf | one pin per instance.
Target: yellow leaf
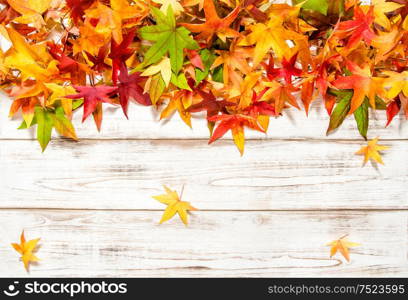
(381, 7)
(342, 245)
(371, 151)
(26, 250)
(174, 205)
(58, 93)
(175, 5)
(163, 67)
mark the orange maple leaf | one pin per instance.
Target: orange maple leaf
(214, 24)
(362, 83)
(342, 245)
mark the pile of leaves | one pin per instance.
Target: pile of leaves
(240, 62)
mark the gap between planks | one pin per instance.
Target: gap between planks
(340, 210)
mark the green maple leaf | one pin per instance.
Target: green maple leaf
(320, 6)
(169, 39)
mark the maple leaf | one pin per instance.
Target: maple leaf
(233, 60)
(163, 67)
(26, 249)
(271, 35)
(381, 7)
(342, 245)
(214, 25)
(396, 83)
(358, 29)
(98, 61)
(77, 8)
(180, 101)
(93, 95)
(120, 52)
(236, 124)
(129, 88)
(174, 205)
(281, 94)
(210, 104)
(287, 71)
(371, 151)
(107, 21)
(169, 39)
(175, 5)
(362, 83)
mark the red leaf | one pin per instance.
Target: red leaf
(129, 88)
(392, 110)
(120, 53)
(92, 95)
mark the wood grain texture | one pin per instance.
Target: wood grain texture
(144, 123)
(276, 175)
(98, 243)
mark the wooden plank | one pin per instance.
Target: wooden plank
(272, 175)
(129, 243)
(143, 124)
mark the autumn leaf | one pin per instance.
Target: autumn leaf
(214, 25)
(381, 8)
(174, 205)
(371, 151)
(343, 246)
(26, 249)
(359, 29)
(169, 39)
(129, 88)
(236, 123)
(175, 5)
(93, 95)
(363, 84)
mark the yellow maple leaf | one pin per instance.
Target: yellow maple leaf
(174, 205)
(371, 151)
(381, 7)
(163, 67)
(397, 83)
(175, 5)
(341, 245)
(26, 250)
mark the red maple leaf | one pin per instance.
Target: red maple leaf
(129, 88)
(120, 53)
(287, 70)
(358, 29)
(259, 107)
(92, 95)
(210, 104)
(98, 61)
(78, 7)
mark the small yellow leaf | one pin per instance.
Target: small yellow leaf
(371, 151)
(174, 205)
(26, 250)
(341, 245)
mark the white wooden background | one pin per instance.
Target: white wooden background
(268, 213)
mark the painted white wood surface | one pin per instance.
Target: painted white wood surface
(131, 243)
(121, 174)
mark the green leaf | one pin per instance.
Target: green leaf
(208, 59)
(320, 6)
(340, 111)
(180, 81)
(23, 124)
(169, 39)
(63, 125)
(380, 104)
(44, 128)
(361, 117)
(217, 74)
